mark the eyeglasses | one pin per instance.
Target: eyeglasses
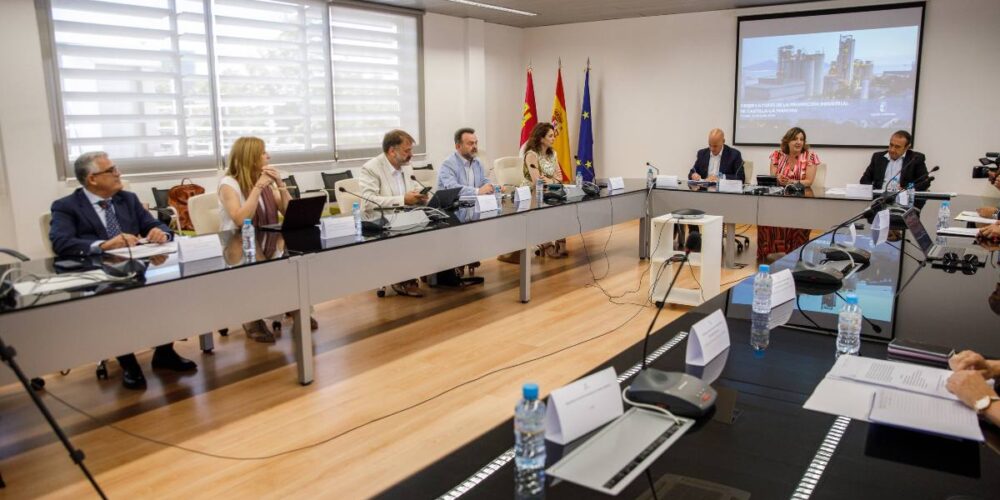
(112, 170)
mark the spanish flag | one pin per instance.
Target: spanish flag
(561, 125)
(529, 115)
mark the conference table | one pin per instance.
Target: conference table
(292, 271)
(760, 441)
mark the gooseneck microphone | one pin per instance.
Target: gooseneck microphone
(693, 243)
(414, 179)
(363, 197)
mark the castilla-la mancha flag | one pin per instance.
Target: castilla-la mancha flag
(561, 125)
(529, 114)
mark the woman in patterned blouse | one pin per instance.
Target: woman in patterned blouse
(792, 163)
(540, 162)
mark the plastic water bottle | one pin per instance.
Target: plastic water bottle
(910, 192)
(529, 445)
(539, 190)
(943, 221)
(249, 240)
(849, 327)
(760, 334)
(498, 191)
(762, 290)
(650, 177)
(356, 211)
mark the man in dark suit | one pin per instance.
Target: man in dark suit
(899, 165)
(717, 159)
(101, 216)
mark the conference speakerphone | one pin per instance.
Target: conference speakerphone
(611, 459)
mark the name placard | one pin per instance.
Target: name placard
(859, 191)
(666, 181)
(522, 194)
(707, 339)
(615, 183)
(336, 227)
(192, 248)
(582, 406)
(486, 203)
(782, 287)
(730, 186)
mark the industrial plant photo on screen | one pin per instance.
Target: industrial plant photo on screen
(848, 79)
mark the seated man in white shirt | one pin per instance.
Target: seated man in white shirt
(462, 168)
(385, 182)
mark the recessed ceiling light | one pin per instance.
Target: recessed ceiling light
(494, 7)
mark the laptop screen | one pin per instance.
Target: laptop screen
(912, 219)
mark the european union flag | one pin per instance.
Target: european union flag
(585, 146)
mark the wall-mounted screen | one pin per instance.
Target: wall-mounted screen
(848, 77)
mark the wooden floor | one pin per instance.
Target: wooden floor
(361, 426)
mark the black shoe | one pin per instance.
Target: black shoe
(132, 378)
(168, 359)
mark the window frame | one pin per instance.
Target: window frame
(177, 165)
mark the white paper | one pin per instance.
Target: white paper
(880, 227)
(486, 203)
(192, 248)
(707, 339)
(836, 191)
(925, 413)
(974, 217)
(583, 406)
(903, 198)
(859, 191)
(61, 282)
(523, 205)
(666, 181)
(842, 397)
(336, 227)
(615, 183)
(968, 232)
(782, 287)
(730, 186)
(522, 194)
(147, 250)
(894, 375)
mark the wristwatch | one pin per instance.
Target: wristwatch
(984, 402)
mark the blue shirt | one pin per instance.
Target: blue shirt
(453, 174)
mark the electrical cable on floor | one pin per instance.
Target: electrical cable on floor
(352, 429)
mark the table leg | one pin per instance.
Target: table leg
(207, 342)
(730, 255)
(301, 332)
(526, 274)
(644, 233)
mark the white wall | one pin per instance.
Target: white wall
(505, 75)
(660, 83)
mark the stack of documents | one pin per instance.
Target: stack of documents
(973, 216)
(896, 394)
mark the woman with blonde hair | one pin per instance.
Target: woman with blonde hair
(247, 191)
(252, 189)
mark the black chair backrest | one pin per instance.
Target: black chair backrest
(330, 181)
(425, 167)
(160, 196)
(293, 186)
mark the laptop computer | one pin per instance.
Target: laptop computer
(931, 250)
(301, 213)
(445, 198)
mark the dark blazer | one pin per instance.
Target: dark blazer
(75, 224)
(731, 164)
(914, 167)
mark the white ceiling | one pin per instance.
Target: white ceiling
(576, 11)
